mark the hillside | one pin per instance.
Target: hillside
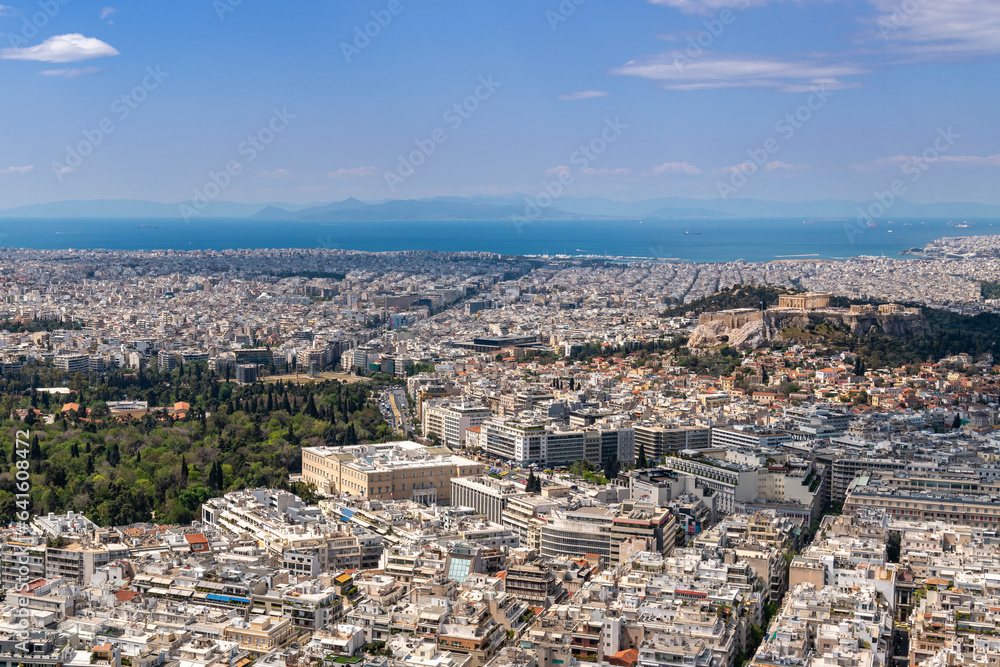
(882, 341)
(737, 296)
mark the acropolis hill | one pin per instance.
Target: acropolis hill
(749, 328)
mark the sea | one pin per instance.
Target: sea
(751, 240)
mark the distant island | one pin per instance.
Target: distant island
(499, 208)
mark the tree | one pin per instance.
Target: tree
(957, 422)
(310, 409)
(533, 484)
(640, 460)
(114, 456)
(892, 548)
(184, 471)
(611, 468)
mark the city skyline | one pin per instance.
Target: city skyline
(702, 99)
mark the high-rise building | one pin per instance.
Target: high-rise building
(530, 442)
(246, 373)
(659, 441)
(487, 495)
(449, 421)
(73, 363)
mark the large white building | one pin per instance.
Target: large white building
(449, 421)
(529, 442)
(487, 495)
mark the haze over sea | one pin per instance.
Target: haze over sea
(688, 240)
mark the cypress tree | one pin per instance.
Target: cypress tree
(641, 461)
(310, 409)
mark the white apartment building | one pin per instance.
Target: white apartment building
(528, 442)
(450, 421)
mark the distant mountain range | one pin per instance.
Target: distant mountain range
(500, 208)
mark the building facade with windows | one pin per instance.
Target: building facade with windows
(389, 471)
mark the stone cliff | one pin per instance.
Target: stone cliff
(748, 329)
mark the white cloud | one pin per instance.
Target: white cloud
(708, 6)
(674, 70)
(778, 165)
(62, 49)
(108, 11)
(684, 168)
(584, 95)
(72, 72)
(896, 33)
(748, 168)
(7, 11)
(556, 171)
(935, 29)
(18, 170)
(353, 172)
(620, 171)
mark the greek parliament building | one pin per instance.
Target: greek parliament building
(389, 471)
(958, 498)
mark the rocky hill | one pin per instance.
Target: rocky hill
(747, 329)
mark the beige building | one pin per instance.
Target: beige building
(958, 498)
(390, 471)
(260, 635)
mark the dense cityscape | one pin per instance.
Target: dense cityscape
(307, 457)
(507, 333)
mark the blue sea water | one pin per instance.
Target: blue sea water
(697, 241)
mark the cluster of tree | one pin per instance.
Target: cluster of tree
(34, 326)
(586, 352)
(161, 466)
(725, 361)
(418, 368)
(737, 296)
(989, 290)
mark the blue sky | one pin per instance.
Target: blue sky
(772, 99)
